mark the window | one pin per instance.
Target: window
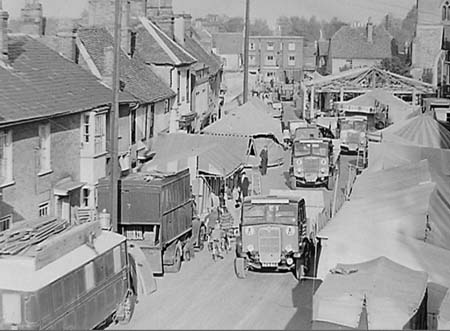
(89, 276)
(188, 77)
(252, 46)
(446, 11)
(291, 60)
(178, 86)
(252, 59)
(44, 148)
(270, 60)
(100, 133)
(133, 126)
(5, 223)
(281, 46)
(166, 106)
(447, 118)
(6, 166)
(291, 46)
(270, 46)
(44, 209)
(85, 197)
(117, 260)
(151, 121)
(99, 269)
(85, 128)
(270, 74)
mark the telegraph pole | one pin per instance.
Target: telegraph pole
(246, 41)
(114, 120)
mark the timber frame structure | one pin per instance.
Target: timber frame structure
(362, 80)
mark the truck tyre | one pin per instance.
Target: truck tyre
(298, 270)
(176, 262)
(240, 267)
(187, 251)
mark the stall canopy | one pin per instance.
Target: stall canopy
(378, 294)
(422, 130)
(398, 109)
(218, 156)
(252, 119)
(401, 213)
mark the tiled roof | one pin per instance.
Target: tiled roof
(152, 52)
(351, 43)
(139, 79)
(201, 55)
(42, 83)
(228, 43)
(323, 47)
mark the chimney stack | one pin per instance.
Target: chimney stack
(4, 16)
(125, 37)
(178, 27)
(369, 31)
(108, 65)
(33, 20)
(166, 24)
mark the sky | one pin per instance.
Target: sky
(347, 10)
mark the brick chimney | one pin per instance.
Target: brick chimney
(108, 65)
(159, 8)
(125, 36)
(369, 29)
(32, 17)
(67, 42)
(178, 30)
(3, 35)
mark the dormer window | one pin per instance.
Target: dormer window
(446, 11)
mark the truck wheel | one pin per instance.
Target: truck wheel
(299, 270)
(187, 252)
(176, 262)
(126, 310)
(240, 267)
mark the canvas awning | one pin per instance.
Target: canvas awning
(67, 185)
(390, 293)
(400, 213)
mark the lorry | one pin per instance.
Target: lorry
(290, 128)
(58, 276)
(313, 159)
(352, 131)
(377, 116)
(156, 213)
(439, 106)
(272, 236)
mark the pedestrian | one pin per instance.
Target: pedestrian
(264, 155)
(245, 183)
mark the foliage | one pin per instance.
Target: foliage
(308, 28)
(402, 30)
(396, 65)
(260, 28)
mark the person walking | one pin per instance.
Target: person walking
(264, 155)
(245, 183)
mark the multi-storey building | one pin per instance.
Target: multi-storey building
(277, 58)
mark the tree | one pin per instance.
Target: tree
(396, 65)
(331, 27)
(233, 24)
(260, 28)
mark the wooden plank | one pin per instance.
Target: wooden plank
(52, 249)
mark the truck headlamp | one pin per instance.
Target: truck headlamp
(323, 162)
(299, 162)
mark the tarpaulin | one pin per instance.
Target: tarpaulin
(390, 292)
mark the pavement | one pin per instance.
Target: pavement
(207, 294)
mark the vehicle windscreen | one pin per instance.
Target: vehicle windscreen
(319, 149)
(301, 149)
(360, 126)
(269, 213)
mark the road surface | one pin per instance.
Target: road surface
(207, 295)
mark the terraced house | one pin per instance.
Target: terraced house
(53, 131)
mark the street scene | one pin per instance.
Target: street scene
(196, 164)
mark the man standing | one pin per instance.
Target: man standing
(264, 155)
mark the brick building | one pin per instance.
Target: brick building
(430, 61)
(278, 58)
(53, 131)
(357, 45)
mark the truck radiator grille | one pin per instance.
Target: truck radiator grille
(311, 165)
(269, 245)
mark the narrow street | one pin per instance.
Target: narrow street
(207, 295)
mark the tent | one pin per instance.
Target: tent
(401, 213)
(251, 119)
(378, 294)
(422, 130)
(398, 109)
(218, 156)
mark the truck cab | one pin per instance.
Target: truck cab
(271, 232)
(312, 159)
(352, 132)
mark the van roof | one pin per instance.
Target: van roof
(272, 199)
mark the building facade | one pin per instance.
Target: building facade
(430, 59)
(229, 46)
(360, 45)
(277, 58)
